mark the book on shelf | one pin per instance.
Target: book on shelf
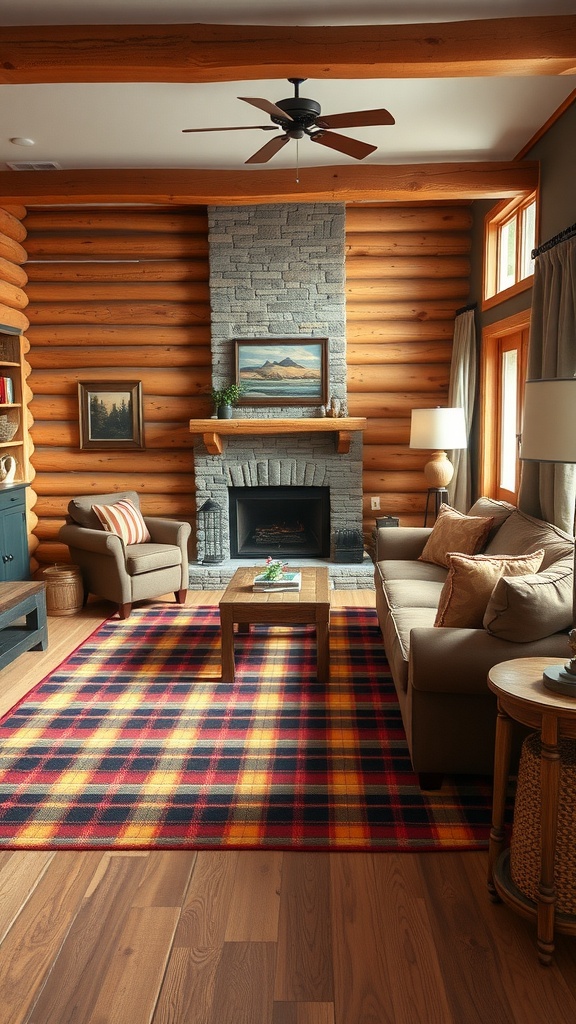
(287, 581)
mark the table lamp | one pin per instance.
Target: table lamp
(549, 435)
(438, 429)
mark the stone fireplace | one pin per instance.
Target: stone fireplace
(277, 272)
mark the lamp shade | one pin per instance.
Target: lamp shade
(438, 429)
(549, 428)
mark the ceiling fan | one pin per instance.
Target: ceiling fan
(298, 116)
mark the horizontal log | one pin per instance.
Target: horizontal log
(173, 506)
(157, 408)
(144, 270)
(421, 377)
(389, 457)
(120, 291)
(124, 246)
(145, 313)
(12, 273)
(406, 519)
(390, 483)
(123, 334)
(408, 218)
(374, 332)
(52, 553)
(11, 250)
(66, 434)
(15, 210)
(402, 501)
(392, 430)
(165, 356)
(54, 460)
(12, 226)
(407, 243)
(48, 529)
(404, 289)
(403, 352)
(83, 220)
(13, 296)
(382, 267)
(400, 182)
(107, 483)
(430, 309)
(155, 380)
(13, 317)
(390, 403)
(220, 53)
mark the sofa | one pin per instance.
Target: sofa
(452, 601)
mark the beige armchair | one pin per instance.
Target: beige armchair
(124, 572)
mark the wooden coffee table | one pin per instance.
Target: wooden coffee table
(241, 605)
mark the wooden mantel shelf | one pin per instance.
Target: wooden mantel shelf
(213, 430)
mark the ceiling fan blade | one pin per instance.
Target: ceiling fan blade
(236, 128)
(269, 150)
(356, 119)
(270, 108)
(352, 147)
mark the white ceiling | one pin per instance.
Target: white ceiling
(140, 125)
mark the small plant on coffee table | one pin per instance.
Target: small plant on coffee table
(274, 569)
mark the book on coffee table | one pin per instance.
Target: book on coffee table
(287, 581)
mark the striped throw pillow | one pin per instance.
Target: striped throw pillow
(123, 519)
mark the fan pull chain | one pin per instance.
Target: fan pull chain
(297, 163)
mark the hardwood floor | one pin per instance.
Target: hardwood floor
(260, 937)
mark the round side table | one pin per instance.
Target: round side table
(522, 697)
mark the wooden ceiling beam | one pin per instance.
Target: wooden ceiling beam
(392, 183)
(220, 53)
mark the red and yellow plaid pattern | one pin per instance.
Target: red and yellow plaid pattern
(135, 743)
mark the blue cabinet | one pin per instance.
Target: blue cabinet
(14, 556)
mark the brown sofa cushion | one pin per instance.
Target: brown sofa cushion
(528, 608)
(470, 582)
(81, 512)
(454, 531)
(522, 533)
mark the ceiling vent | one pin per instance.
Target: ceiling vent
(33, 165)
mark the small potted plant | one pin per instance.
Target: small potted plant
(274, 569)
(225, 398)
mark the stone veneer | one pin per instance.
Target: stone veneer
(278, 271)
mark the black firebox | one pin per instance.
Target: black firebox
(286, 521)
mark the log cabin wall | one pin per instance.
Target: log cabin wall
(407, 272)
(116, 294)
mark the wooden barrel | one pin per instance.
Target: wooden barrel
(64, 589)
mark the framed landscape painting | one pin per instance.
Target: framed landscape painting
(110, 414)
(282, 371)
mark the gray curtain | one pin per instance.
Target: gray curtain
(548, 491)
(461, 394)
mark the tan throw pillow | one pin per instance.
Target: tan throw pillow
(453, 531)
(529, 608)
(470, 582)
(123, 519)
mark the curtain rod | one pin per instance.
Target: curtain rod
(561, 237)
(466, 309)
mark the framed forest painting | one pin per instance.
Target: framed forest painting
(110, 414)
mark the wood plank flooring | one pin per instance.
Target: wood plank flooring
(260, 937)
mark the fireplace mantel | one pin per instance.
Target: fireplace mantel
(213, 430)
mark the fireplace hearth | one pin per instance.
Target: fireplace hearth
(279, 521)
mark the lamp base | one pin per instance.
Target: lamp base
(561, 678)
(439, 471)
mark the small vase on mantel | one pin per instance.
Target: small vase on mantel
(224, 412)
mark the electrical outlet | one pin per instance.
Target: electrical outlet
(375, 504)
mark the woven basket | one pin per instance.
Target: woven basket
(64, 589)
(8, 426)
(525, 841)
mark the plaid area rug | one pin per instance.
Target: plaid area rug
(134, 743)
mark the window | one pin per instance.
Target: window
(504, 355)
(510, 237)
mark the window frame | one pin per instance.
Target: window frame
(494, 222)
(496, 339)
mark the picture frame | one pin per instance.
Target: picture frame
(267, 369)
(110, 415)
